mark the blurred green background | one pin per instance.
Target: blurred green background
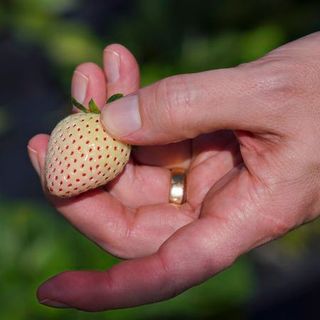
(41, 42)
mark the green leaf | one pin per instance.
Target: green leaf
(93, 107)
(115, 97)
(79, 105)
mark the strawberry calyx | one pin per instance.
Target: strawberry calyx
(114, 97)
(93, 108)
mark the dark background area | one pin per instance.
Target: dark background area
(41, 42)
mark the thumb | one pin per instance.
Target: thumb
(185, 106)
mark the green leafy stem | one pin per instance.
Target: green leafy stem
(93, 108)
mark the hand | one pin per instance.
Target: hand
(272, 106)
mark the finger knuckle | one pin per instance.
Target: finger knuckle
(276, 81)
(282, 84)
(172, 95)
(277, 226)
(284, 80)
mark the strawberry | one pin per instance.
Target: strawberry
(81, 154)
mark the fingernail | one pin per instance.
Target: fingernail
(79, 86)
(112, 65)
(122, 117)
(52, 303)
(33, 154)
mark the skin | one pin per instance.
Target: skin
(253, 160)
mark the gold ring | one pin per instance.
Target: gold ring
(177, 186)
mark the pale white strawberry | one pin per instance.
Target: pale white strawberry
(81, 155)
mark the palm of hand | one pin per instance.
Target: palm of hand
(133, 218)
(144, 187)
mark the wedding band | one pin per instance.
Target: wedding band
(177, 186)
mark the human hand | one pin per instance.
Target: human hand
(272, 106)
